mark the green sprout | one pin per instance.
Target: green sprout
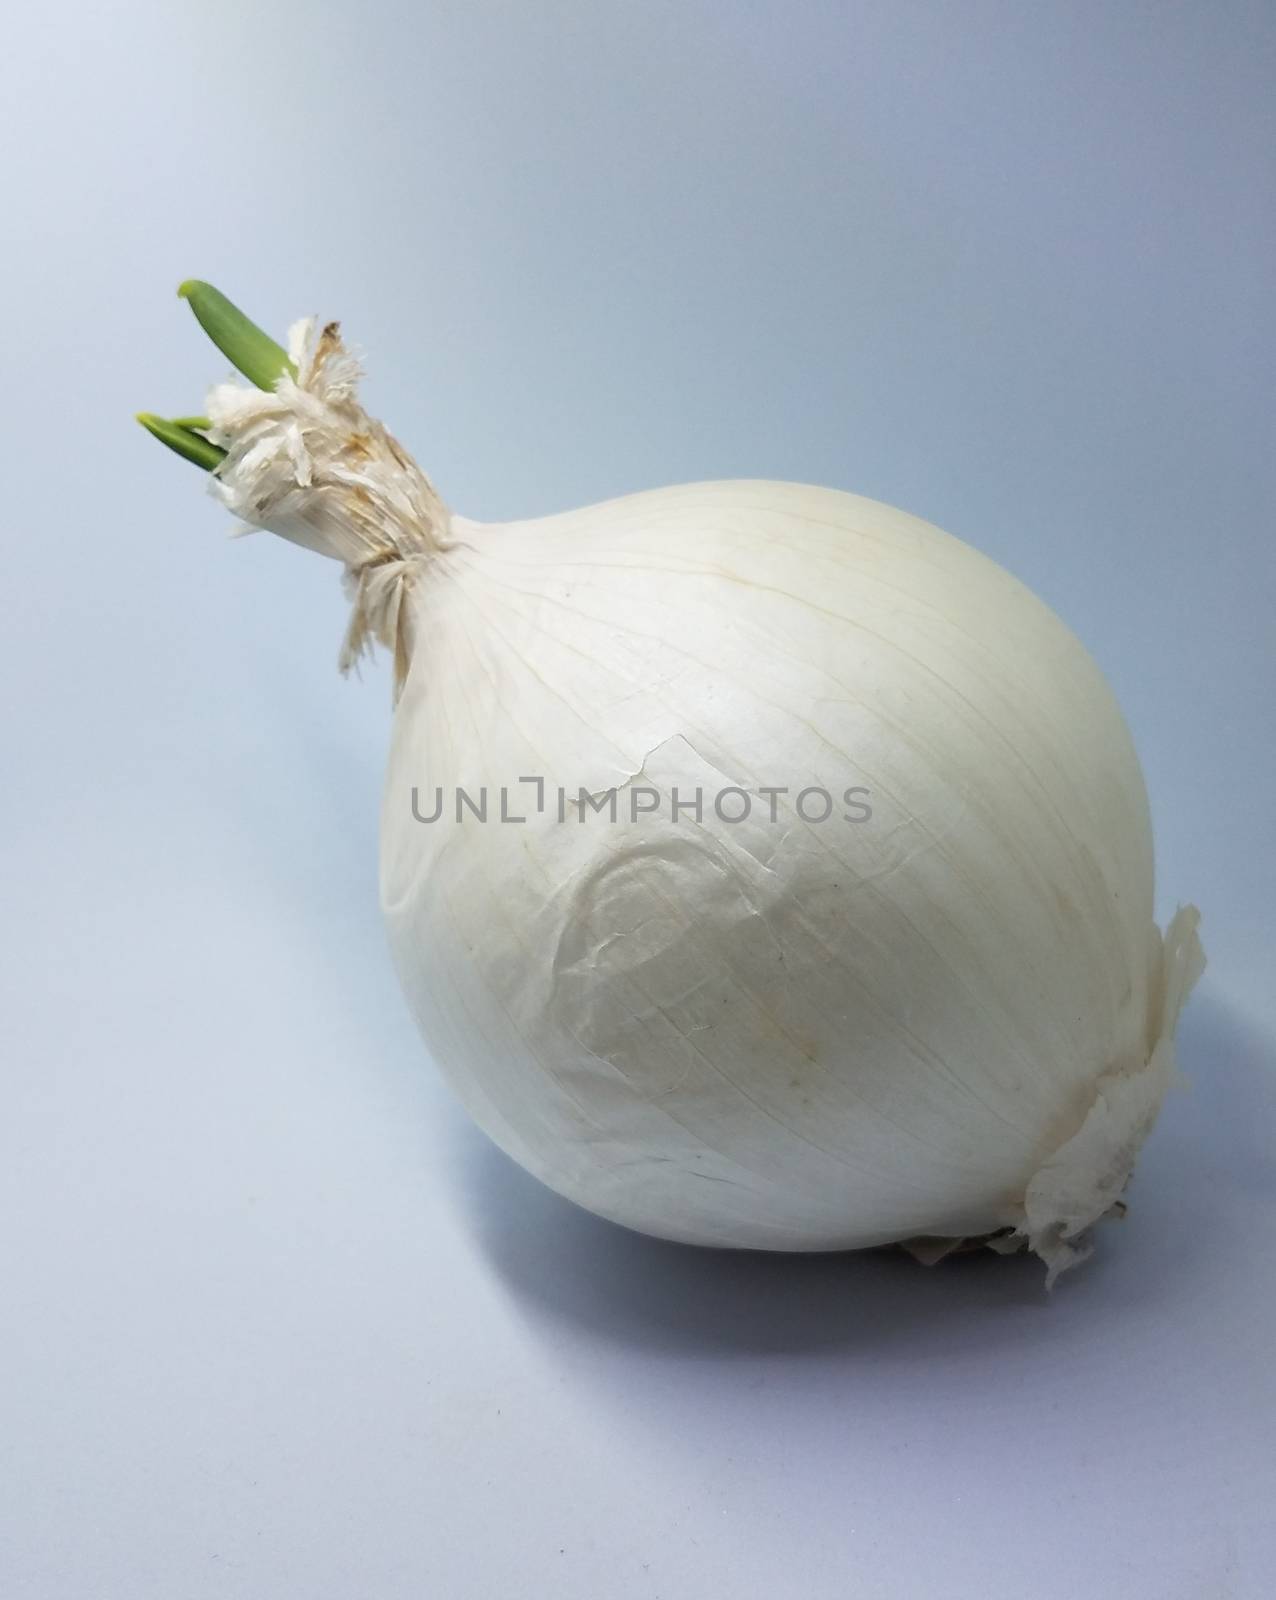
(193, 446)
(242, 342)
(249, 350)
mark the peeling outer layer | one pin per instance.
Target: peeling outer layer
(1083, 1182)
(305, 461)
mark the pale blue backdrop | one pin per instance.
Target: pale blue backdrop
(273, 1321)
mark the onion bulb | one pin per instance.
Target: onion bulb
(763, 866)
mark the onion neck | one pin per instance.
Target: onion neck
(306, 462)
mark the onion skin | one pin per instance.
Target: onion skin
(951, 1019)
(788, 1036)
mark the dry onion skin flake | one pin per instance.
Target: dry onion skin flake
(764, 867)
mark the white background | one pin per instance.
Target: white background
(274, 1321)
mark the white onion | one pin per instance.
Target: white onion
(950, 1021)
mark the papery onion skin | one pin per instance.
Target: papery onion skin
(951, 1020)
